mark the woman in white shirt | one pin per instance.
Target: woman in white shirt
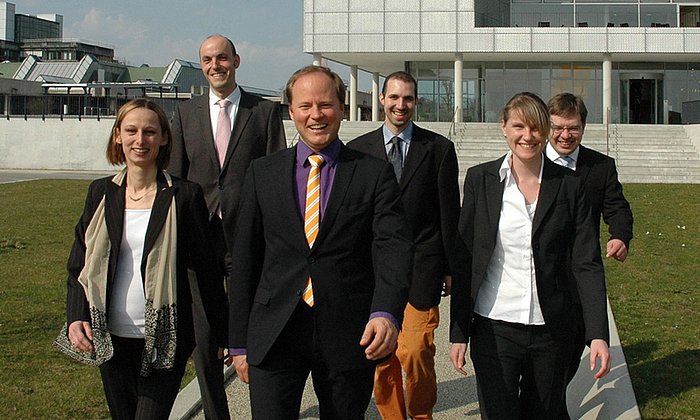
(525, 238)
(129, 301)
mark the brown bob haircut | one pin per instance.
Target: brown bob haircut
(337, 81)
(115, 153)
(531, 108)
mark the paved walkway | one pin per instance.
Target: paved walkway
(609, 398)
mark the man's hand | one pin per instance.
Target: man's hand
(446, 285)
(599, 349)
(458, 353)
(80, 336)
(616, 249)
(380, 338)
(241, 365)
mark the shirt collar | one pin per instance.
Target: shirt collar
(553, 155)
(330, 153)
(234, 97)
(505, 173)
(405, 135)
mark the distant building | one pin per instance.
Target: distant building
(636, 61)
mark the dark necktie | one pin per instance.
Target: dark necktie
(395, 156)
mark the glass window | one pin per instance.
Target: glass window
(607, 15)
(658, 15)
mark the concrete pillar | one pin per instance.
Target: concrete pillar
(318, 58)
(607, 88)
(353, 93)
(459, 65)
(375, 96)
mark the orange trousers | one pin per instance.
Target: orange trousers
(416, 356)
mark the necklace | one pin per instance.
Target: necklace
(148, 190)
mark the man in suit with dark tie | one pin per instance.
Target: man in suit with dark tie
(215, 137)
(568, 117)
(322, 296)
(425, 164)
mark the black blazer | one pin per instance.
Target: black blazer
(430, 195)
(193, 250)
(359, 263)
(599, 176)
(562, 228)
(257, 131)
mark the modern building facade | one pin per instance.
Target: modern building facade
(633, 61)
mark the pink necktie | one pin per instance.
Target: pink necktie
(312, 214)
(223, 130)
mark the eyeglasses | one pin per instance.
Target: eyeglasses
(576, 130)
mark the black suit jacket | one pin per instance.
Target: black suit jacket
(599, 176)
(562, 229)
(257, 131)
(430, 195)
(193, 251)
(359, 263)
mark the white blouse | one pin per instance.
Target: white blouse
(127, 303)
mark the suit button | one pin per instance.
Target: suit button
(312, 260)
(221, 187)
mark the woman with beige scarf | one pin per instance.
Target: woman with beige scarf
(129, 300)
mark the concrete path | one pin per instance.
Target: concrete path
(609, 398)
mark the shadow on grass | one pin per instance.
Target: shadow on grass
(668, 376)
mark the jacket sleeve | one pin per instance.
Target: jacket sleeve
(616, 209)
(276, 138)
(461, 304)
(179, 164)
(587, 269)
(77, 308)
(448, 191)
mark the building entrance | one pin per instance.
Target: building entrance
(641, 98)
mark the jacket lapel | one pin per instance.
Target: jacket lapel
(548, 193)
(583, 167)
(494, 194)
(159, 212)
(114, 213)
(242, 116)
(203, 119)
(344, 171)
(417, 152)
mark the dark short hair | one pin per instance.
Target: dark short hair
(233, 47)
(531, 108)
(404, 77)
(337, 81)
(568, 105)
(115, 153)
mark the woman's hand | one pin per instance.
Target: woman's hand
(80, 336)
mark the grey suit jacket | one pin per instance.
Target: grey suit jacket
(257, 131)
(562, 229)
(430, 194)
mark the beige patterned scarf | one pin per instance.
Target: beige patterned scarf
(159, 286)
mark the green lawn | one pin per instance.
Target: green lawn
(654, 296)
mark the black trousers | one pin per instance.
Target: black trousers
(521, 370)
(277, 384)
(209, 368)
(130, 396)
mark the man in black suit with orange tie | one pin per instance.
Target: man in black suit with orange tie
(322, 253)
(215, 137)
(425, 164)
(568, 115)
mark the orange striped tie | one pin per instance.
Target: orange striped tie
(312, 214)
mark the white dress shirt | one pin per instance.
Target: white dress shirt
(214, 108)
(509, 290)
(557, 158)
